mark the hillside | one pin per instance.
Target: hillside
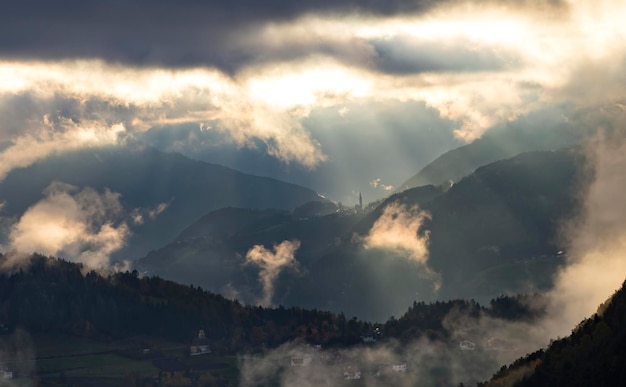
(60, 326)
(51, 295)
(211, 252)
(147, 178)
(593, 355)
(495, 231)
(506, 211)
(496, 145)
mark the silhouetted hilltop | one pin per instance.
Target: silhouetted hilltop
(593, 355)
(493, 146)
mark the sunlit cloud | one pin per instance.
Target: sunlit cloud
(525, 55)
(83, 226)
(313, 83)
(398, 229)
(153, 97)
(158, 210)
(376, 183)
(138, 215)
(271, 264)
(54, 138)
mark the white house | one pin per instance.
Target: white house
(368, 339)
(350, 373)
(300, 360)
(467, 345)
(200, 345)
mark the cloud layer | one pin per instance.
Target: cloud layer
(185, 33)
(254, 71)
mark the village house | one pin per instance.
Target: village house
(199, 345)
(301, 360)
(6, 374)
(467, 345)
(351, 373)
(368, 339)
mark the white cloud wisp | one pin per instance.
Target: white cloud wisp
(271, 264)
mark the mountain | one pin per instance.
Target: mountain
(593, 355)
(146, 179)
(495, 231)
(506, 211)
(495, 145)
(211, 252)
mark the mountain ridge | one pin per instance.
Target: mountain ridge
(486, 226)
(591, 356)
(147, 178)
(498, 144)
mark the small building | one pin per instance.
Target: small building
(372, 336)
(6, 374)
(300, 360)
(368, 339)
(400, 367)
(200, 345)
(467, 345)
(351, 373)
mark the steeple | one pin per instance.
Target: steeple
(360, 202)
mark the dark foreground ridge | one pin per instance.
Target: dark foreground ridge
(593, 355)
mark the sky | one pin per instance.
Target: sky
(342, 96)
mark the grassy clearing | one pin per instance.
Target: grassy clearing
(62, 359)
(49, 345)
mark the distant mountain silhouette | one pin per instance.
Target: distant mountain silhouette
(145, 178)
(493, 146)
(495, 231)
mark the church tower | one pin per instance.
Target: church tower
(360, 202)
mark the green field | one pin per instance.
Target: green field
(60, 360)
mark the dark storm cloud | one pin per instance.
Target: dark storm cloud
(174, 33)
